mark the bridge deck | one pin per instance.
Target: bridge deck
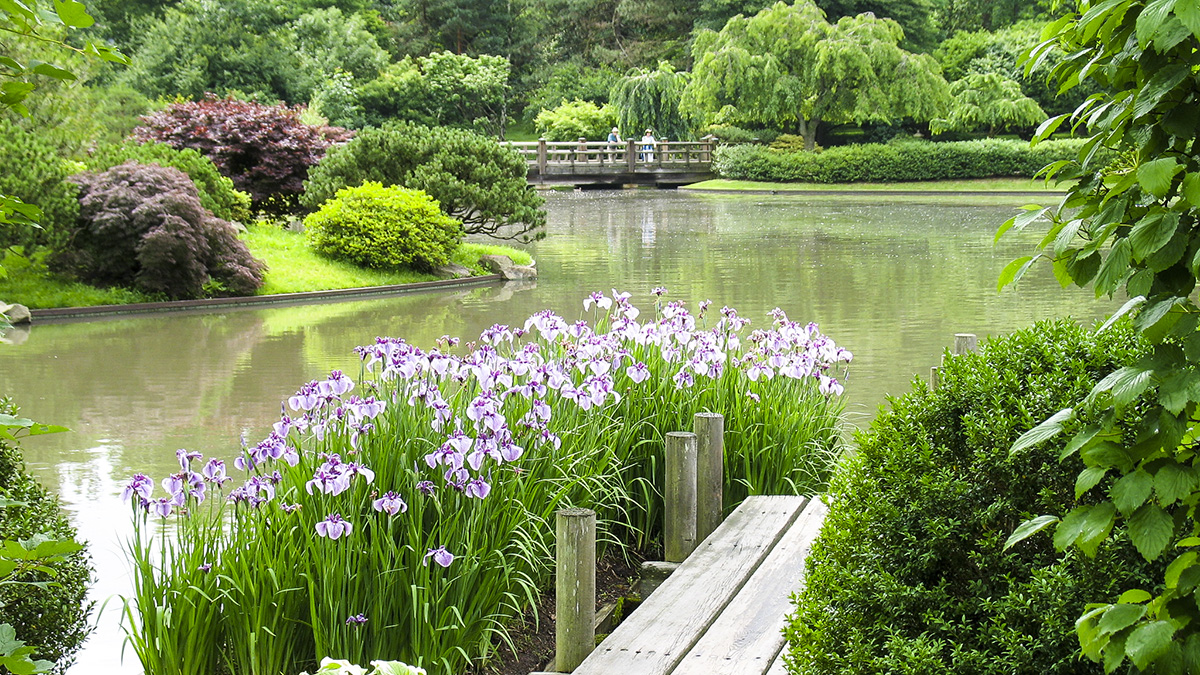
(584, 162)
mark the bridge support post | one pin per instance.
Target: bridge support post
(541, 157)
(631, 155)
(679, 512)
(575, 586)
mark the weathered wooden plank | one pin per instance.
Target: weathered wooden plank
(748, 635)
(653, 639)
(777, 668)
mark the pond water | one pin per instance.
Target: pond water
(891, 281)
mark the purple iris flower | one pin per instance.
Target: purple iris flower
(140, 484)
(206, 567)
(659, 291)
(214, 472)
(185, 458)
(334, 526)
(356, 620)
(425, 487)
(390, 503)
(440, 556)
(638, 372)
(162, 507)
(477, 488)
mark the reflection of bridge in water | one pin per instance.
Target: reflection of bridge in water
(629, 162)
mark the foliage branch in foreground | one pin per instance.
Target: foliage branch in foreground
(1132, 224)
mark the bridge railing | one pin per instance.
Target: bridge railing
(630, 155)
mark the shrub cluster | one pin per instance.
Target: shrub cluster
(31, 170)
(143, 226)
(54, 618)
(475, 179)
(384, 227)
(909, 574)
(574, 120)
(896, 161)
(265, 149)
(217, 193)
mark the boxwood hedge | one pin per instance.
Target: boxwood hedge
(909, 574)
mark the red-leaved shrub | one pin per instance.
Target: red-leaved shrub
(142, 225)
(265, 149)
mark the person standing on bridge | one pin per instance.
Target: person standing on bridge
(648, 143)
(614, 144)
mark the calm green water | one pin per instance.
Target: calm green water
(892, 282)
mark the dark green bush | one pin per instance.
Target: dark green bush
(905, 160)
(32, 170)
(54, 619)
(217, 193)
(476, 180)
(909, 575)
(384, 227)
(142, 225)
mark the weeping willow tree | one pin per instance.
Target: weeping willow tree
(788, 67)
(989, 101)
(649, 99)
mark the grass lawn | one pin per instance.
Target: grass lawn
(293, 268)
(977, 185)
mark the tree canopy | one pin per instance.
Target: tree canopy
(649, 99)
(988, 101)
(787, 65)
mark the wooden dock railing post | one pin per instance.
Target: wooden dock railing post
(679, 512)
(541, 157)
(575, 586)
(710, 472)
(631, 154)
(964, 343)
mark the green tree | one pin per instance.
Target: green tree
(575, 120)
(914, 16)
(475, 179)
(1132, 223)
(442, 89)
(649, 99)
(788, 66)
(988, 101)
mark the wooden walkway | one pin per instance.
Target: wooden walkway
(723, 611)
(585, 162)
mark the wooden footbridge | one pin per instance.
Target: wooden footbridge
(586, 162)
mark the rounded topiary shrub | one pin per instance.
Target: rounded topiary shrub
(384, 227)
(142, 225)
(55, 618)
(909, 574)
(217, 193)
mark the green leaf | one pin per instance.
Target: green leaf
(1049, 126)
(1163, 81)
(1121, 616)
(73, 14)
(1088, 478)
(1156, 175)
(1078, 441)
(1096, 526)
(1148, 642)
(1107, 453)
(1176, 568)
(1150, 529)
(1114, 269)
(1044, 431)
(1068, 530)
(1028, 529)
(1152, 233)
(1188, 12)
(1191, 184)
(1173, 482)
(1152, 17)
(1134, 595)
(1126, 384)
(1131, 491)
(1020, 222)
(1179, 388)
(1131, 304)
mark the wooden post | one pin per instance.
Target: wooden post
(575, 586)
(964, 343)
(659, 147)
(541, 157)
(706, 151)
(679, 512)
(933, 377)
(581, 150)
(631, 154)
(710, 472)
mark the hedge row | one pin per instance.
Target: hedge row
(908, 160)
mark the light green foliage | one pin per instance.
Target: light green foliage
(649, 99)
(570, 81)
(41, 180)
(383, 227)
(217, 193)
(476, 180)
(903, 159)
(43, 572)
(575, 120)
(441, 89)
(328, 40)
(336, 101)
(1133, 228)
(916, 17)
(989, 101)
(788, 66)
(909, 574)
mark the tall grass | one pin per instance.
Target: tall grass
(409, 515)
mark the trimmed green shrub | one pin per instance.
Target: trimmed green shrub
(903, 160)
(217, 193)
(384, 227)
(142, 225)
(908, 574)
(477, 181)
(33, 171)
(55, 618)
(575, 120)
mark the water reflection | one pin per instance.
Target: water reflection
(891, 282)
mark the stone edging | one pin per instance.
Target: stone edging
(64, 313)
(875, 193)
